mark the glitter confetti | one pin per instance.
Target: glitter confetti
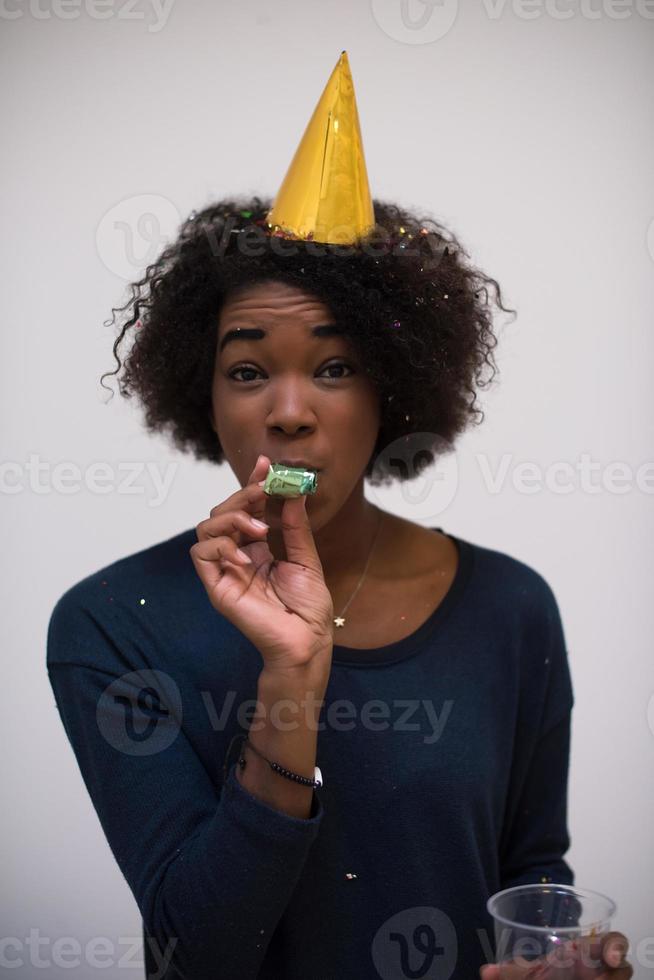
(350, 875)
(397, 323)
(142, 601)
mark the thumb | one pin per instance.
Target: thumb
(298, 537)
(489, 972)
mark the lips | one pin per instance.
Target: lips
(299, 463)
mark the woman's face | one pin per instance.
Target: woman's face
(291, 391)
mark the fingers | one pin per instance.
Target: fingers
(251, 496)
(230, 524)
(591, 956)
(588, 956)
(220, 549)
(211, 567)
(237, 524)
(234, 515)
(298, 536)
(614, 949)
(216, 544)
(259, 472)
(608, 949)
(208, 558)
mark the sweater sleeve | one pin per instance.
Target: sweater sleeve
(212, 870)
(535, 836)
(540, 835)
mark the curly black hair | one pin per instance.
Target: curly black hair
(417, 312)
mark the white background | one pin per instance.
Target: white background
(528, 130)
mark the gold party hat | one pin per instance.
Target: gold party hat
(325, 196)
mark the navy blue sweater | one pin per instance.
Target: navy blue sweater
(444, 757)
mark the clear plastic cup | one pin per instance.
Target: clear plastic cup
(547, 921)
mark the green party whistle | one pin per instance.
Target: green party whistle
(289, 481)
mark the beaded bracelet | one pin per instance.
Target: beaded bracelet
(275, 766)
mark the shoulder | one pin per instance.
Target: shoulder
(89, 615)
(510, 587)
(518, 607)
(161, 560)
(503, 576)
(511, 574)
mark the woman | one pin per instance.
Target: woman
(425, 676)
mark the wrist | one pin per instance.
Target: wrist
(311, 677)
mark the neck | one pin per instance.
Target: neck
(344, 543)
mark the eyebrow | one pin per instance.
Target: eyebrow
(258, 333)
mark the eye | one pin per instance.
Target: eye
(339, 364)
(248, 368)
(244, 367)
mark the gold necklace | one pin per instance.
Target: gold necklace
(339, 621)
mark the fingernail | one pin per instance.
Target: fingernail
(243, 556)
(261, 483)
(258, 523)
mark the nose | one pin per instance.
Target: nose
(291, 410)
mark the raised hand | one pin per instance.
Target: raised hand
(601, 958)
(283, 607)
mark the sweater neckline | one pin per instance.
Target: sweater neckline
(401, 649)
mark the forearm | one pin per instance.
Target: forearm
(284, 729)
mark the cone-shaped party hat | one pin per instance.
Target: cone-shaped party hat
(325, 196)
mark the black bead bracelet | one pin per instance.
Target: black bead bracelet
(275, 766)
